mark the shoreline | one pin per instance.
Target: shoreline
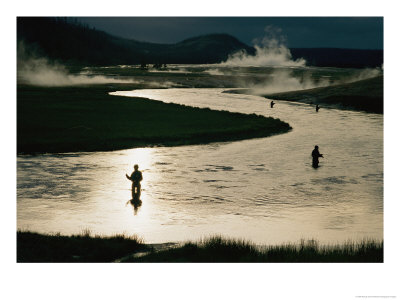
(35, 247)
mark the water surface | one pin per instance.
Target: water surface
(264, 190)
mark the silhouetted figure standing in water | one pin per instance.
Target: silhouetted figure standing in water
(317, 108)
(136, 177)
(315, 157)
(272, 104)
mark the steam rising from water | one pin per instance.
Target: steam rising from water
(39, 71)
(36, 70)
(282, 80)
(271, 51)
(365, 74)
(214, 71)
(264, 57)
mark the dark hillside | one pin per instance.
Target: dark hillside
(210, 48)
(69, 41)
(60, 39)
(340, 58)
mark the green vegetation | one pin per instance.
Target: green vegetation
(86, 118)
(34, 247)
(366, 95)
(218, 249)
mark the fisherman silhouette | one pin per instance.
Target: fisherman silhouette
(317, 108)
(315, 157)
(136, 177)
(272, 104)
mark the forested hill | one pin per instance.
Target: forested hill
(71, 42)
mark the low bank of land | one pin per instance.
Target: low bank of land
(365, 95)
(34, 247)
(86, 118)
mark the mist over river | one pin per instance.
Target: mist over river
(264, 190)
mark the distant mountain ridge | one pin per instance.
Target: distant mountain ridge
(72, 42)
(68, 41)
(341, 58)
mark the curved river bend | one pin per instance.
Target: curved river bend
(263, 190)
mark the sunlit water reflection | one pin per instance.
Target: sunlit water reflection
(263, 190)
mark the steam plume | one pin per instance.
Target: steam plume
(271, 51)
(40, 71)
(282, 80)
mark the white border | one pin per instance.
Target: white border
(197, 281)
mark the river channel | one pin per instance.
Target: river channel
(263, 190)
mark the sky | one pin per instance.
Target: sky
(298, 32)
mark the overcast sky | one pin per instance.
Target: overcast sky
(340, 32)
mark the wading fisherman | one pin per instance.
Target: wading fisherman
(136, 177)
(315, 157)
(272, 103)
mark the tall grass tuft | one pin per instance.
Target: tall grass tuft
(85, 247)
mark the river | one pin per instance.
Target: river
(263, 190)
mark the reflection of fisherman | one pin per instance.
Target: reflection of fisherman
(317, 108)
(315, 155)
(272, 103)
(136, 177)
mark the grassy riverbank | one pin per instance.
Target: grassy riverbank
(365, 95)
(86, 118)
(33, 247)
(217, 249)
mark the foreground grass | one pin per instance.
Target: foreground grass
(218, 249)
(86, 118)
(33, 247)
(365, 95)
